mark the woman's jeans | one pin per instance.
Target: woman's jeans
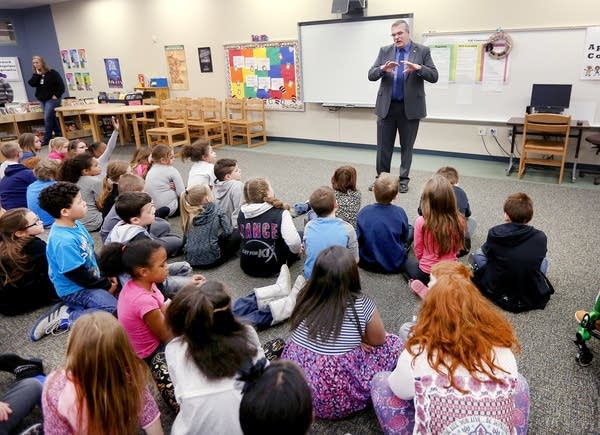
(50, 121)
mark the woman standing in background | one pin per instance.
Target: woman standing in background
(49, 87)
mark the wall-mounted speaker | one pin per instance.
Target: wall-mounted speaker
(349, 8)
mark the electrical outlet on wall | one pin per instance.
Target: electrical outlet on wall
(493, 131)
(481, 131)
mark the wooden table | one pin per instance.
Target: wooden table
(76, 110)
(121, 111)
(577, 128)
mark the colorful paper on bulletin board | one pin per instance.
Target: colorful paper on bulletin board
(178, 73)
(113, 73)
(82, 57)
(267, 70)
(70, 78)
(64, 54)
(79, 81)
(87, 80)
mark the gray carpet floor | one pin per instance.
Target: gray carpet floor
(564, 396)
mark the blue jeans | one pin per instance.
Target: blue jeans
(50, 122)
(247, 309)
(22, 396)
(479, 259)
(89, 301)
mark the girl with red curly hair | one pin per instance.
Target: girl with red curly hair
(458, 371)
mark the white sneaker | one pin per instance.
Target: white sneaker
(55, 321)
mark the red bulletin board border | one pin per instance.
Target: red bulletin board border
(287, 96)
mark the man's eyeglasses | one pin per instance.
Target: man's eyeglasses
(397, 34)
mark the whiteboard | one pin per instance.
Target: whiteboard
(547, 56)
(337, 55)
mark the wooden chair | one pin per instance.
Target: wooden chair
(545, 125)
(246, 121)
(205, 119)
(148, 119)
(173, 129)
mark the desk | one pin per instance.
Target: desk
(576, 132)
(76, 110)
(122, 111)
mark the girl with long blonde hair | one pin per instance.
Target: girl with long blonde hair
(210, 238)
(460, 352)
(439, 234)
(103, 388)
(110, 185)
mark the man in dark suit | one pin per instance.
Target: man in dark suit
(402, 67)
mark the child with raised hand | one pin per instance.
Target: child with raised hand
(59, 148)
(72, 265)
(210, 240)
(338, 338)
(103, 151)
(460, 353)
(275, 396)
(24, 282)
(140, 162)
(439, 234)
(141, 306)
(82, 170)
(228, 187)
(278, 242)
(209, 349)
(110, 185)
(163, 181)
(203, 156)
(103, 387)
(45, 171)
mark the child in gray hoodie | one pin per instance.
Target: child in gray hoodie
(228, 188)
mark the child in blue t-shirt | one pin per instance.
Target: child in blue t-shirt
(327, 230)
(72, 265)
(382, 229)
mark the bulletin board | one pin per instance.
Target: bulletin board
(267, 70)
(538, 55)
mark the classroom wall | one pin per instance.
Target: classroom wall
(36, 35)
(135, 31)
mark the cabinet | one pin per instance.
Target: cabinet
(159, 93)
(29, 122)
(8, 128)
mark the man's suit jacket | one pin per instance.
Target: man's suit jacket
(414, 92)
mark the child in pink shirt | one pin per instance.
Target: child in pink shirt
(59, 148)
(439, 233)
(141, 305)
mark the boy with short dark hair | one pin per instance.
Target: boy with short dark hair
(228, 188)
(326, 230)
(382, 229)
(72, 264)
(511, 265)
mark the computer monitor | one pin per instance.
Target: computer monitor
(550, 98)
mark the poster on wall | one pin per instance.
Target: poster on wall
(11, 70)
(64, 55)
(74, 57)
(113, 72)
(591, 54)
(267, 70)
(87, 80)
(178, 74)
(82, 57)
(70, 79)
(205, 59)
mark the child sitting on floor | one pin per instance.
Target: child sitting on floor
(110, 185)
(228, 188)
(163, 181)
(140, 162)
(16, 177)
(204, 157)
(59, 148)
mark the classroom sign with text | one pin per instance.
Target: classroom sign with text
(591, 54)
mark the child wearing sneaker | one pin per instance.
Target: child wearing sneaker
(327, 230)
(228, 188)
(204, 157)
(72, 265)
(269, 237)
(141, 305)
(382, 229)
(439, 233)
(24, 282)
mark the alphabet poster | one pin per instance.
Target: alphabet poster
(591, 54)
(267, 70)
